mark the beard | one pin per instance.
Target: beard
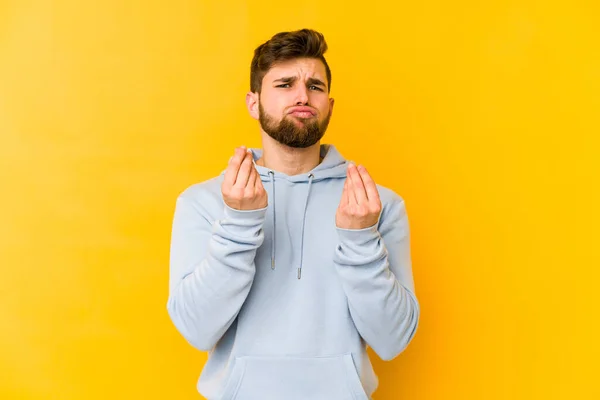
(288, 133)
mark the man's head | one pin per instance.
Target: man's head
(290, 83)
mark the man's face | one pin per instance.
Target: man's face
(294, 105)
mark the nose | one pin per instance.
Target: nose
(301, 95)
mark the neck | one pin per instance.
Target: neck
(288, 160)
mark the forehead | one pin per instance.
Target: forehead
(302, 67)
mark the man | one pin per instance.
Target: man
(290, 262)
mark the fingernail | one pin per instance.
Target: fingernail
(244, 147)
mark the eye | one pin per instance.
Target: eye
(283, 85)
(315, 88)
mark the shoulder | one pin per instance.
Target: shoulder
(203, 196)
(389, 197)
(393, 211)
(205, 188)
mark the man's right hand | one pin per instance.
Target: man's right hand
(242, 188)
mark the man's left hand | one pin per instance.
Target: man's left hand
(360, 204)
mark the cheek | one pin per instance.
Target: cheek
(322, 104)
(276, 105)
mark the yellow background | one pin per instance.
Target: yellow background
(483, 115)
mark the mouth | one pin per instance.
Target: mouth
(302, 112)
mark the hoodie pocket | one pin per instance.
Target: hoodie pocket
(294, 378)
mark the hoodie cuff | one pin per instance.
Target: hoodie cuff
(247, 215)
(358, 236)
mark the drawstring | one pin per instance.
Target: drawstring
(272, 175)
(311, 176)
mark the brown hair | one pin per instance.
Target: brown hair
(285, 46)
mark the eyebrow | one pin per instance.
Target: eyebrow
(309, 81)
(315, 81)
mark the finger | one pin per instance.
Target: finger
(243, 175)
(357, 185)
(255, 179)
(370, 187)
(352, 199)
(350, 187)
(234, 166)
(346, 192)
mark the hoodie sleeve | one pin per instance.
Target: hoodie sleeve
(211, 268)
(375, 266)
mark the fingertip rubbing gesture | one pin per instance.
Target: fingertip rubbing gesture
(360, 204)
(242, 188)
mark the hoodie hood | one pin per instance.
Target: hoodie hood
(333, 166)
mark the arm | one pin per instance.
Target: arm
(375, 267)
(211, 269)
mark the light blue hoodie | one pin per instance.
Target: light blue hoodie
(283, 300)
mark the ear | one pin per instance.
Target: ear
(331, 102)
(252, 104)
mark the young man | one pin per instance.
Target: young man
(290, 262)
